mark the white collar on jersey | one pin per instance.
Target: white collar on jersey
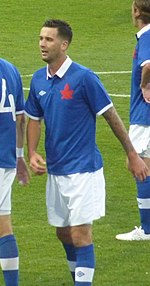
(143, 30)
(62, 70)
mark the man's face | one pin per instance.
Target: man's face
(51, 44)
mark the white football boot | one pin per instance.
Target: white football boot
(136, 234)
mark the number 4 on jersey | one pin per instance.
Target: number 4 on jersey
(4, 108)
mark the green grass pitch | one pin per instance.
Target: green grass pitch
(104, 41)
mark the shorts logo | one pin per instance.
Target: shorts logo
(67, 92)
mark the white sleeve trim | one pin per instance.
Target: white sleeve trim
(104, 109)
(19, 112)
(145, 62)
(33, 117)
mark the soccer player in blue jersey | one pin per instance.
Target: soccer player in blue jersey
(139, 130)
(12, 124)
(68, 97)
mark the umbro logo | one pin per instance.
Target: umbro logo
(42, 92)
(80, 273)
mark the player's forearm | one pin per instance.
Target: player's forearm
(20, 123)
(33, 136)
(119, 130)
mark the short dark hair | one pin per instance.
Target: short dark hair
(144, 9)
(64, 29)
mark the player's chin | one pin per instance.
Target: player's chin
(45, 59)
(44, 55)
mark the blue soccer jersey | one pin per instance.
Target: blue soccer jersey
(11, 104)
(69, 102)
(139, 109)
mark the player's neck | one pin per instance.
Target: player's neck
(53, 67)
(141, 25)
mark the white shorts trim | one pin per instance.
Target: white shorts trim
(75, 199)
(7, 177)
(140, 137)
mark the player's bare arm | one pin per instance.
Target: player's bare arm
(37, 163)
(145, 82)
(118, 129)
(136, 165)
(22, 169)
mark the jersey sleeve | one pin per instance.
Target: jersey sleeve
(144, 49)
(32, 106)
(20, 100)
(95, 94)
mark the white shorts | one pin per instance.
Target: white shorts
(75, 199)
(140, 137)
(7, 177)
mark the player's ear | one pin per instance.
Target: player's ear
(65, 45)
(136, 11)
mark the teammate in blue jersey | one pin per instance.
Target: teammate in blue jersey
(139, 130)
(68, 97)
(12, 123)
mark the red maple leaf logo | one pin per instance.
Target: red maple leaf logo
(67, 92)
(134, 54)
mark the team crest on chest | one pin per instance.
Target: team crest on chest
(134, 54)
(67, 92)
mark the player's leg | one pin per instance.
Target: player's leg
(143, 199)
(140, 137)
(71, 257)
(73, 202)
(9, 259)
(79, 239)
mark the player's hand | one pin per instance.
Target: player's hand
(22, 175)
(146, 93)
(137, 166)
(38, 164)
